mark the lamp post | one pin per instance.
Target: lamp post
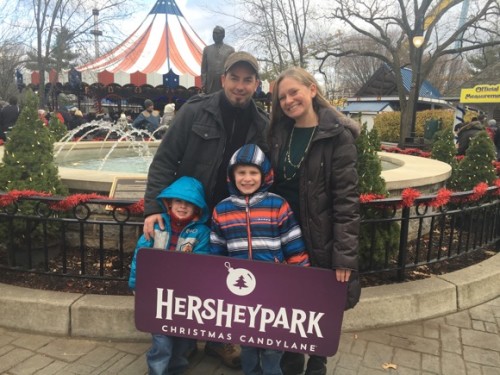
(418, 41)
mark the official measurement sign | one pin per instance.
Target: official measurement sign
(213, 298)
(481, 94)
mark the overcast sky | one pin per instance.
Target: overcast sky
(199, 14)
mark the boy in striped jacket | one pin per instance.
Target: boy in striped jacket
(253, 223)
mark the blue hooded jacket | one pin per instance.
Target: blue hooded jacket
(196, 239)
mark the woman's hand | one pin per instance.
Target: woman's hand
(342, 275)
(149, 225)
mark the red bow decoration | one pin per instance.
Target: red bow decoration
(408, 196)
(479, 191)
(443, 196)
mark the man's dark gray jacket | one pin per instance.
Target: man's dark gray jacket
(194, 146)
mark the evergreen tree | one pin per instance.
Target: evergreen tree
(443, 149)
(378, 239)
(28, 164)
(62, 56)
(369, 165)
(477, 165)
(28, 155)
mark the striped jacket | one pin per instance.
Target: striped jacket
(260, 226)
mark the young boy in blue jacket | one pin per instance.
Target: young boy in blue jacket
(185, 213)
(253, 223)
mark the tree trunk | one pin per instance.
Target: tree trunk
(41, 88)
(406, 120)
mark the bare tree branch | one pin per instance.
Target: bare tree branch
(391, 27)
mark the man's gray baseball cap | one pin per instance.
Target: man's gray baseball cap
(239, 57)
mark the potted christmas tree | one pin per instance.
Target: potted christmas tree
(28, 164)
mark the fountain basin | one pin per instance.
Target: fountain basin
(426, 175)
(81, 180)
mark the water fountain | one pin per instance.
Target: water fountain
(104, 144)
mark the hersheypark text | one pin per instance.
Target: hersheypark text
(222, 314)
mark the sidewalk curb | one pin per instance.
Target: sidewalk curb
(393, 304)
(112, 317)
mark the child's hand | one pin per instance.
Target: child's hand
(343, 275)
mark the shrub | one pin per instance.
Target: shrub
(28, 164)
(477, 165)
(387, 126)
(446, 116)
(387, 123)
(378, 240)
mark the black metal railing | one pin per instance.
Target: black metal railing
(95, 239)
(429, 235)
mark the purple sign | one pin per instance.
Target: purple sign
(213, 298)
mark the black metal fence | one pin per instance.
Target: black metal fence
(428, 234)
(96, 239)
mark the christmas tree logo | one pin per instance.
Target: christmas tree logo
(239, 281)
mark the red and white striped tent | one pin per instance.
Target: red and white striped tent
(163, 47)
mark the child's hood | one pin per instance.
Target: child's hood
(250, 154)
(188, 189)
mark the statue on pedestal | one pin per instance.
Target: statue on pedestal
(212, 63)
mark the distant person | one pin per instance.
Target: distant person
(122, 123)
(466, 133)
(66, 115)
(482, 119)
(42, 115)
(495, 131)
(59, 116)
(238, 230)
(107, 117)
(212, 62)
(168, 114)
(76, 120)
(8, 117)
(185, 213)
(148, 119)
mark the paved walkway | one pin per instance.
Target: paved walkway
(462, 343)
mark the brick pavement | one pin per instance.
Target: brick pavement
(462, 343)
